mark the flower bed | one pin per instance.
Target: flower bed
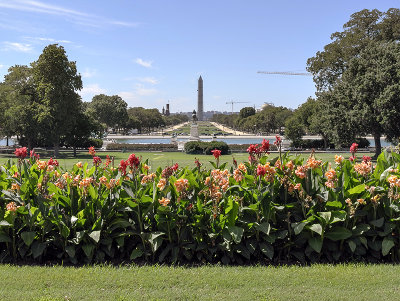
(270, 209)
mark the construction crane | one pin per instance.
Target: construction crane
(232, 102)
(286, 73)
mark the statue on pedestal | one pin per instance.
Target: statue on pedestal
(194, 131)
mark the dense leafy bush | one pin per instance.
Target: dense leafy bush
(202, 147)
(271, 209)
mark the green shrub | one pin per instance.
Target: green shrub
(201, 147)
(142, 147)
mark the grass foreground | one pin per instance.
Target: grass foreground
(317, 282)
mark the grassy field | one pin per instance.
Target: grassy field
(165, 158)
(318, 282)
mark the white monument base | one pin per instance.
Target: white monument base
(194, 133)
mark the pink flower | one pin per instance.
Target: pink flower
(197, 162)
(261, 170)
(352, 158)
(34, 155)
(175, 167)
(21, 152)
(278, 141)
(354, 148)
(92, 151)
(252, 149)
(216, 153)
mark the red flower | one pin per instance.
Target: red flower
(21, 152)
(352, 158)
(197, 162)
(133, 161)
(354, 148)
(108, 160)
(122, 167)
(216, 153)
(366, 159)
(265, 146)
(92, 151)
(252, 149)
(234, 162)
(96, 161)
(278, 140)
(175, 167)
(52, 162)
(261, 170)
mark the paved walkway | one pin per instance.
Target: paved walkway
(229, 130)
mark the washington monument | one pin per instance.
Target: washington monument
(200, 99)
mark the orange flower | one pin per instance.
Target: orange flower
(242, 168)
(348, 202)
(41, 164)
(301, 171)
(92, 151)
(162, 183)
(15, 187)
(339, 159)
(79, 164)
(330, 174)
(289, 165)
(361, 201)
(110, 185)
(12, 206)
(103, 180)
(363, 168)
(312, 163)
(164, 202)
(181, 185)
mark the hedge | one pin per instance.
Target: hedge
(272, 210)
(142, 147)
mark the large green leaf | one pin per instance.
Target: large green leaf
(378, 222)
(315, 243)
(338, 216)
(95, 235)
(263, 227)
(155, 240)
(338, 233)
(326, 216)
(38, 248)
(298, 227)
(28, 237)
(136, 253)
(317, 228)
(236, 233)
(360, 229)
(387, 245)
(4, 237)
(357, 189)
(231, 211)
(267, 249)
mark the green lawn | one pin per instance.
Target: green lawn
(204, 128)
(318, 282)
(166, 158)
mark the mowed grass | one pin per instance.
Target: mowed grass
(164, 159)
(317, 282)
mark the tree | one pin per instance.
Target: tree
(20, 106)
(246, 112)
(110, 110)
(367, 97)
(363, 27)
(57, 81)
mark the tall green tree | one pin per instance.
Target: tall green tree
(57, 81)
(367, 97)
(109, 110)
(327, 66)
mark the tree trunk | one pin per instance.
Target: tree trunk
(56, 149)
(7, 141)
(325, 142)
(378, 147)
(74, 151)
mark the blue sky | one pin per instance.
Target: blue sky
(150, 52)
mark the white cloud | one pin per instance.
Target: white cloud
(74, 16)
(88, 73)
(20, 47)
(138, 93)
(90, 90)
(43, 40)
(1, 66)
(149, 80)
(143, 63)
